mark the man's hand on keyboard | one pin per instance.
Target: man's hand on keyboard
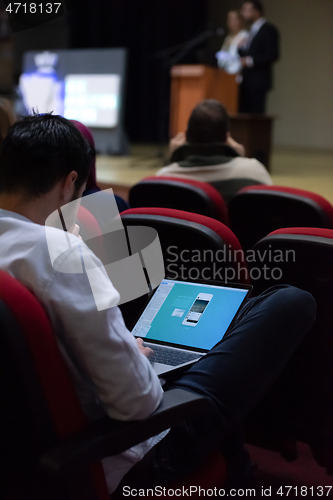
(146, 351)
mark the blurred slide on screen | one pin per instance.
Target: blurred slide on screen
(92, 99)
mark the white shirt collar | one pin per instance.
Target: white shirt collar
(257, 25)
(13, 215)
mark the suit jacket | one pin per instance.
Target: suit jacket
(264, 49)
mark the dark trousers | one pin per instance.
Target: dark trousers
(251, 100)
(234, 375)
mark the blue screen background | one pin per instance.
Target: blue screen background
(212, 325)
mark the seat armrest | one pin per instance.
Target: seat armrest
(107, 437)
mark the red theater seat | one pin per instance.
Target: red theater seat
(193, 233)
(258, 210)
(305, 260)
(194, 247)
(181, 194)
(89, 227)
(50, 450)
(91, 233)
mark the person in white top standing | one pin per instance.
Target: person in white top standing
(228, 57)
(45, 164)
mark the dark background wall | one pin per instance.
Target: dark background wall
(144, 27)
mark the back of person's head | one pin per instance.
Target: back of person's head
(208, 123)
(7, 117)
(41, 150)
(257, 5)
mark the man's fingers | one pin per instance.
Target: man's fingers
(146, 351)
(75, 229)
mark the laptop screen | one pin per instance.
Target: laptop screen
(190, 314)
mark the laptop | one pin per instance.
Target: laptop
(184, 320)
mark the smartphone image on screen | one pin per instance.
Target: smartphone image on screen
(197, 309)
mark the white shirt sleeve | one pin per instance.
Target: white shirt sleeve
(123, 379)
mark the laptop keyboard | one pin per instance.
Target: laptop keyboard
(171, 357)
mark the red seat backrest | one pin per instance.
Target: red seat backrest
(322, 203)
(301, 256)
(220, 229)
(91, 233)
(64, 408)
(88, 223)
(219, 206)
(256, 211)
(305, 231)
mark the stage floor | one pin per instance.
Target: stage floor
(304, 169)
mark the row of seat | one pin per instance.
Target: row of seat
(192, 244)
(252, 213)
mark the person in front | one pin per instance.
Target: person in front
(45, 163)
(228, 57)
(208, 153)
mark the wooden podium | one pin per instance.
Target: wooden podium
(192, 83)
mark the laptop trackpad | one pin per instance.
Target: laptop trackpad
(161, 368)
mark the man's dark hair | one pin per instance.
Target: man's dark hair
(209, 122)
(257, 4)
(40, 151)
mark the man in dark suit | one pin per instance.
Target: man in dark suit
(258, 53)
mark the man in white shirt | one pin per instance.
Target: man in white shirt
(121, 382)
(207, 153)
(44, 165)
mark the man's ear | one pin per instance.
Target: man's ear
(68, 186)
